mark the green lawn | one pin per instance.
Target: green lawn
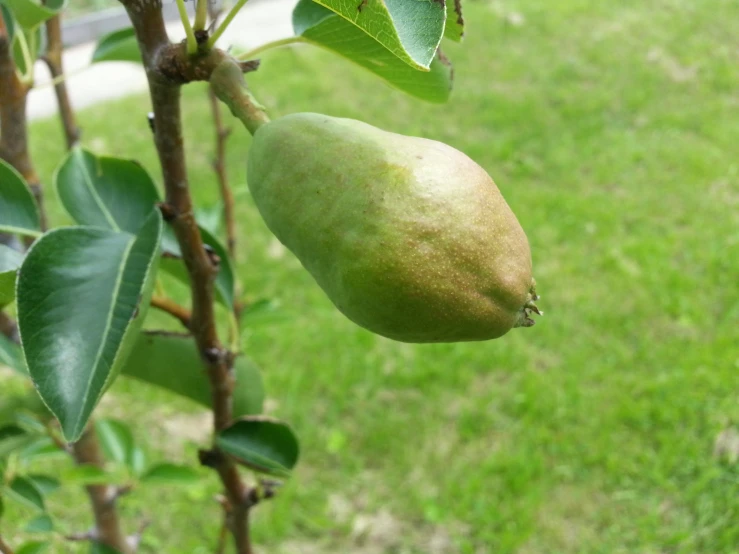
(611, 129)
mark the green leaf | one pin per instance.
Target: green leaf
(9, 21)
(40, 447)
(29, 13)
(87, 475)
(44, 483)
(82, 297)
(263, 311)
(10, 261)
(411, 30)
(263, 444)
(25, 492)
(11, 356)
(116, 440)
(171, 474)
(2, 502)
(172, 362)
(341, 37)
(33, 547)
(118, 46)
(12, 438)
(40, 524)
(18, 212)
(111, 193)
(28, 45)
(225, 280)
(137, 460)
(454, 29)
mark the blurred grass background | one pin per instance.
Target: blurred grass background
(612, 130)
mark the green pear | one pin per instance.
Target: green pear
(408, 237)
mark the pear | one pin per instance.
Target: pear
(408, 237)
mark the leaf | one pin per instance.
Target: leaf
(172, 362)
(82, 297)
(111, 193)
(87, 475)
(263, 444)
(40, 524)
(33, 547)
(454, 29)
(137, 460)
(341, 37)
(411, 30)
(171, 474)
(25, 492)
(10, 261)
(40, 447)
(27, 45)
(118, 46)
(11, 356)
(29, 13)
(116, 440)
(44, 483)
(225, 281)
(12, 438)
(18, 212)
(263, 311)
(9, 21)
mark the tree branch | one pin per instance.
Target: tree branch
(53, 59)
(8, 327)
(172, 308)
(13, 126)
(86, 451)
(219, 166)
(167, 67)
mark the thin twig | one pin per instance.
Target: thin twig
(8, 327)
(108, 531)
(172, 308)
(53, 59)
(219, 166)
(219, 162)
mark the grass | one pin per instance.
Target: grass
(611, 130)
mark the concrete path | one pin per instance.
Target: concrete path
(256, 24)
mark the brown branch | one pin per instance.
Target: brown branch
(53, 59)
(13, 124)
(8, 327)
(172, 308)
(167, 67)
(86, 451)
(4, 548)
(219, 166)
(219, 162)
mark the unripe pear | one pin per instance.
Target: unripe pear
(408, 237)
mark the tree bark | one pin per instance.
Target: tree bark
(53, 59)
(167, 68)
(103, 498)
(13, 124)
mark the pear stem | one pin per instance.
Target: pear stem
(230, 87)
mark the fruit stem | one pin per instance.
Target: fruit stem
(230, 87)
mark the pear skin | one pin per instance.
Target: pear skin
(408, 237)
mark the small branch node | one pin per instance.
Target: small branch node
(211, 458)
(249, 65)
(169, 212)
